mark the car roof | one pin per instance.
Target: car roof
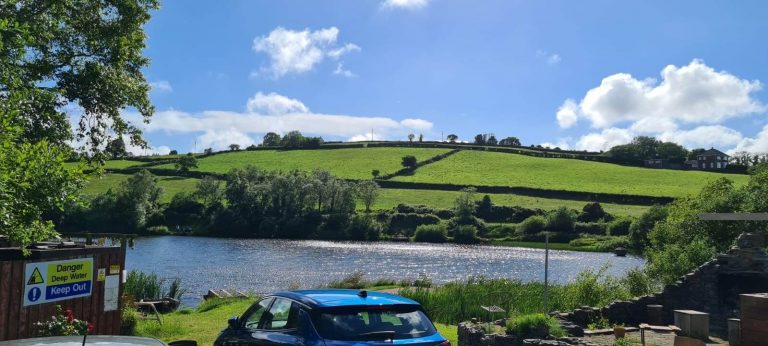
(340, 297)
(91, 340)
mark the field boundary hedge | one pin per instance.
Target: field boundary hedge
(411, 170)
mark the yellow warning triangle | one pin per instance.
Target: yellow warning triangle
(36, 278)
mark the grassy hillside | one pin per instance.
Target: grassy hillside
(388, 198)
(347, 163)
(170, 185)
(501, 169)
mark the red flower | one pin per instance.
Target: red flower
(70, 315)
(90, 327)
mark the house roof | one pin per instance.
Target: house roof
(713, 152)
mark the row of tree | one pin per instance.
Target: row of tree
(644, 147)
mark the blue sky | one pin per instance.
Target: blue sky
(578, 74)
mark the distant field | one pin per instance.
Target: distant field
(389, 198)
(171, 185)
(356, 163)
(502, 169)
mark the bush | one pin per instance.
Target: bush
(475, 222)
(554, 237)
(596, 228)
(500, 231)
(638, 231)
(128, 320)
(592, 212)
(605, 243)
(431, 234)
(534, 326)
(364, 227)
(560, 220)
(639, 283)
(407, 223)
(532, 225)
(158, 230)
(139, 285)
(620, 226)
(465, 234)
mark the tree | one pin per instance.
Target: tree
(480, 139)
(421, 138)
(560, 220)
(292, 139)
(116, 148)
(185, 163)
(57, 54)
(375, 173)
(208, 151)
(173, 152)
(234, 147)
(491, 140)
(409, 161)
(510, 142)
(210, 191)
(367, 192)
(411, 136)
(271, 139)
(672, 152)
(693, 154)
(464, 206)
(453, 138)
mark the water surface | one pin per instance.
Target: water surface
(265, 265)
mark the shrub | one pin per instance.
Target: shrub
(128, 320)
(139, 285)
(592, 212)
(475, 222)
(500, 231)
(537, 326)
(158, 230)
(407, 223)
(620, 226)
(638, 231)
(364, 227)
(597, 228)
(409, 161)
(532, 225)
(604, 243)
(554, 237)
(639, 283)
(431, 234)
(465, 234)
(351, 281)
(560, 220)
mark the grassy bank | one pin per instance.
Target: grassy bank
(206, 322)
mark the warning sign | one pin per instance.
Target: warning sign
(35, 278)
(58, 280)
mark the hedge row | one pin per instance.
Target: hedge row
(410, 170)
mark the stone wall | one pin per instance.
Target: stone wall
(714, 287)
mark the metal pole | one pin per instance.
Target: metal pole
(546, 272)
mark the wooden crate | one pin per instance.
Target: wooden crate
(754, 319)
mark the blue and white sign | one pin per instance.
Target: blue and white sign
(46, 282)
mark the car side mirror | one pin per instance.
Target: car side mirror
(234, 322)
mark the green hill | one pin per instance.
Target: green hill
(463, 168)
(480, 168)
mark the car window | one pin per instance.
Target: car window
(282, 315)
(253, 318)
(367, 324)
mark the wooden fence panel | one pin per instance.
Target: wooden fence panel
(18, 321)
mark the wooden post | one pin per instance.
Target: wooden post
(734, 332)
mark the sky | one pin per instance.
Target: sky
(583, 75)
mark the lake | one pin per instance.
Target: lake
(266, 265)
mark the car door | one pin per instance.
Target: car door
(250, 323)
(280, 325)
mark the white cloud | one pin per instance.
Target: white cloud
(292, 51)
(694, 94)
(365, 137)
(405, 4)
(274, 113)
(416, 124)
(221, 139)
(759, 144)
(703, 137)
(649, 125)
(567, 114)
(340, 71)
(561, 143)
(274, 104)
(161, 86)
(138, 151)
(604, 140)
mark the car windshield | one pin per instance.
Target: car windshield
(373, 323)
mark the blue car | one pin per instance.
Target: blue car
(332, 318)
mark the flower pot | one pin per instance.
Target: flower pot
(619, 332)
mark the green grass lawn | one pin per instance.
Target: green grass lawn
(204, 327)
(171, 185)
(389, 198)
(502, 169)
(354, 163)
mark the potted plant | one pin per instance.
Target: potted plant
(619, 331)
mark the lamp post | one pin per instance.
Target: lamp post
(546, 272)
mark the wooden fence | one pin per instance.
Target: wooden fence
(18, 321)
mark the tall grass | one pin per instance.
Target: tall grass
(140, 285)
(459, 301)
